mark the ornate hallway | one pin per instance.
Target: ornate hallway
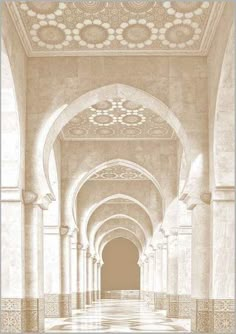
(117, 316)
(118, 159)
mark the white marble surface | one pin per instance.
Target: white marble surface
(119, 316)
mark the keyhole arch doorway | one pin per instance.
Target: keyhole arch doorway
(120, 270)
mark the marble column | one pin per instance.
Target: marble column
(141, 278)
(66, 305)
(145, 279)
(89, 290)
(160, 276)
(52, 271)
(99, 266)
(151, 263)
(184, 271)
(74, 271)
(172, 274)
(95, 279)
(33, 303)
(81, 276)
(12, 261)
(200, 275)
(222, 266)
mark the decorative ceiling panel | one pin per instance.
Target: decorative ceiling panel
(117, 119)
(114, 27)
(119, 172)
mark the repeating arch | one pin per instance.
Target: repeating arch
(132, 227)
(84, 223)
(63, 115)
(117, 233)
(96, 228)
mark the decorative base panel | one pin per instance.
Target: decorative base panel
(213, 315)
(121, 294)
(58, 306)
(88, 297)
(22, 315)
(81, 300)
(160, 301)
(74, 301)
(179, 306)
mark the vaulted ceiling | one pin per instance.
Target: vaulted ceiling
(115, 27)
(117, 118)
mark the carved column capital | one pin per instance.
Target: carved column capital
(64, 230)
(32, 198)
(29, 197)
(206, 197)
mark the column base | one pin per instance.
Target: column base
(58, 305)
(22, 315)
(172, 306)
(160, 301)
(81, 300)
(12, 315)
(150, 300)
(95, 295)
(213, 315)
(74, 300)
(88, 297)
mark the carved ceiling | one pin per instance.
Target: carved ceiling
(119, 172)
(117, 118)
(99, 27)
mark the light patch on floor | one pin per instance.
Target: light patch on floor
(117, 316)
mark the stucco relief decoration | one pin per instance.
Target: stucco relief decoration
(119, 172)
(113, 26)
(118, 118)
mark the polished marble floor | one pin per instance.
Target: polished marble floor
(118, 316)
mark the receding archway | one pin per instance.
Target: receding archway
(120, 270)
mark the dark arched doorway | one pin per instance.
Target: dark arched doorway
(120, 275)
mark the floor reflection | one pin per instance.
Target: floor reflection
(117, 316)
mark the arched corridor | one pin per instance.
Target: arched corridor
(117, 188)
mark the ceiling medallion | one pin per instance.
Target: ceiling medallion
(50, 34)
(136, 33)
(75, 131)
(93, 34)
(158, 131)
(185, 9)
(131, 131)
(103, 118)
(106, 132)
(133, 118)
(180, 33)
(91, 7)
(137, 6)
(43, 10)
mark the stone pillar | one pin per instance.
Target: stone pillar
(33, 303)
(184, 271)
(99, 266)
(172, 275)
(145, 279)
(66, 309)
(160, 276)
(141, 278)
(74, 271)
(95, 277)
(81, 276)
(89, 291)
(200, 278)
(222, 268)
(12, 261)
(151, 278)
(52, 271)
